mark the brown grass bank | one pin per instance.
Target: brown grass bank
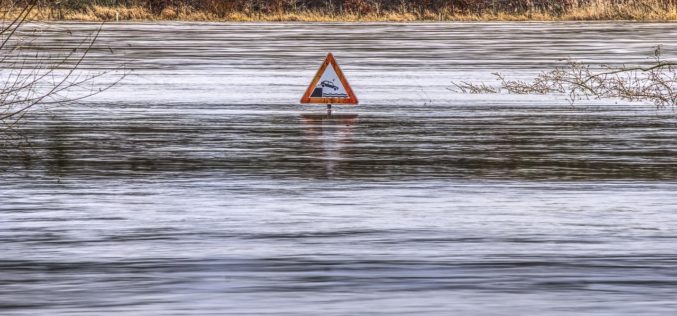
(347, 10)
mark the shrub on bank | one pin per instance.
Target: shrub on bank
(355, 10)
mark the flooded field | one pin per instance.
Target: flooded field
(195, 187)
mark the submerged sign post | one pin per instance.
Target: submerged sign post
(329, 86)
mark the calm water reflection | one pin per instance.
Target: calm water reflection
(333, 135)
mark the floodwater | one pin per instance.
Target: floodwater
(194, 187)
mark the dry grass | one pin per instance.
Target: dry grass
(647, 10)
(638, 11)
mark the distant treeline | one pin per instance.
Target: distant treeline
(349, 6)
(413, 9)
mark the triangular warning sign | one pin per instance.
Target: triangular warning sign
(329, 86)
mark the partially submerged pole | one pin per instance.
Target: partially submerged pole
(329, 86)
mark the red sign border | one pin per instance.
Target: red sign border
(351, 99)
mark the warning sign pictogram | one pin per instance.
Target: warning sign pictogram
(329, 86)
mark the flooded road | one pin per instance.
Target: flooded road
(195, 187)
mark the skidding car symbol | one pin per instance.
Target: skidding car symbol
(329, 84)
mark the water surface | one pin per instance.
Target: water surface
(195, 187)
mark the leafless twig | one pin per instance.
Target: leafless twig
(35, 70)
(656, 83)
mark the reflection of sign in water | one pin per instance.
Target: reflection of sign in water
(329, 85)
(328, 142)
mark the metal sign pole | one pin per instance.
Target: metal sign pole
(328, 109)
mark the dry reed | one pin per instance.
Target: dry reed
(569, 10)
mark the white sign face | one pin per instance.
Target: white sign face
(329, 86)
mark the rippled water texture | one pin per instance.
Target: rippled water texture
(195, 187)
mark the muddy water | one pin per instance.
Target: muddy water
(195, 187)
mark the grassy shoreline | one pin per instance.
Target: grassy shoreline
(598, 10)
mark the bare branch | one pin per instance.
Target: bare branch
(656, 83)
(31, 76)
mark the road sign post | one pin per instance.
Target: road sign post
(329, 86)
